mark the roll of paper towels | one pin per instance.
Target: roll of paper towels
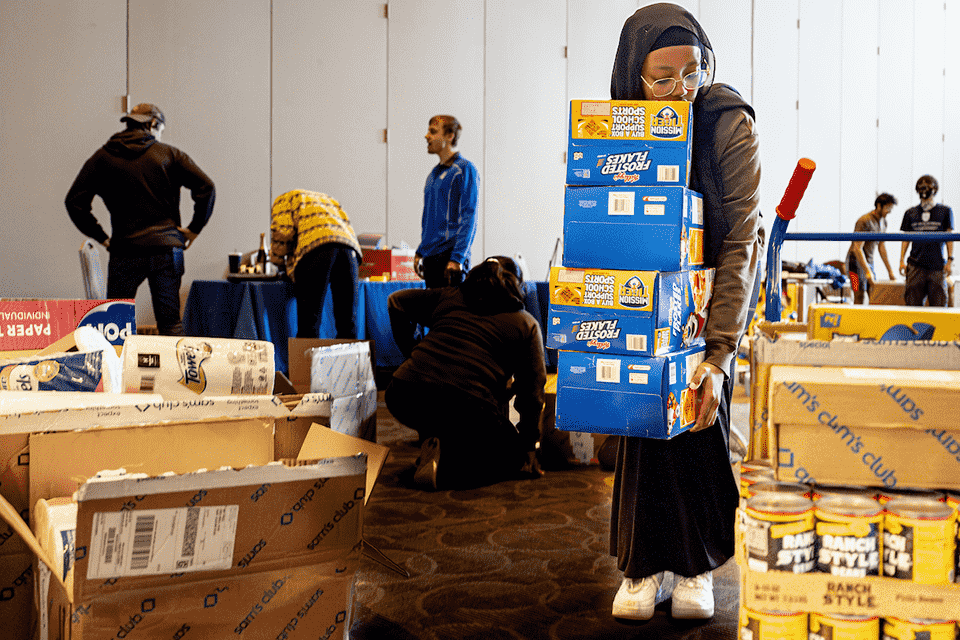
(185, 367)
(55, 525)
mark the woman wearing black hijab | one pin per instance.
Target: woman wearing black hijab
(674, 501)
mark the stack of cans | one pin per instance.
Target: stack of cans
(629, 303)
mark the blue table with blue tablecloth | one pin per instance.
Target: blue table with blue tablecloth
(267, 310)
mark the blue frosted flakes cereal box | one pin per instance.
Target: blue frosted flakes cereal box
(632, 228)
(627, 312)
(627, 395)
(638, 142)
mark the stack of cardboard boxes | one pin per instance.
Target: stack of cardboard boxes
(629, 304)
(202, 515)
(864, 397)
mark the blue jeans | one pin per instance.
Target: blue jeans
(163, 271)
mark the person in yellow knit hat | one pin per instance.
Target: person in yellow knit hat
(311, 237)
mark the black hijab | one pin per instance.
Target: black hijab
(639, 37)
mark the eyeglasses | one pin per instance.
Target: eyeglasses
(666, 86)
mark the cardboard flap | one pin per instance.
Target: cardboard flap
(9, 515)
(323, 442)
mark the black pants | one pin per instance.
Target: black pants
(162, 268)
(478, 444)
(336, 265)
(434, 270)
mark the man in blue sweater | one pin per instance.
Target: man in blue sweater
(449, 208)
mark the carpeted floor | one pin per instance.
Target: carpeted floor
(520, 560)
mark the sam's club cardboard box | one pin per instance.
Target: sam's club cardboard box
(632, 228)
(627, 312)
(862, 426)
(626, 395)
(616, 142)
(282, 536)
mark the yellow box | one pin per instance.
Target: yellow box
(882, 322)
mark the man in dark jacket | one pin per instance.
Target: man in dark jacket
(139, 180)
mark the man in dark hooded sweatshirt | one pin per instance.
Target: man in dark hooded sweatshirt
(139, 180)
(674, 501)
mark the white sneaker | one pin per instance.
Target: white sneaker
(636, 599)
(693, 597)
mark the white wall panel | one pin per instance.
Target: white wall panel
(330, 104)
(209, 71)
(526, 132)
(729, 25)
(62, 75)
(592, 40)
(896, 173)
(928, 70)
(436, 66)
(775, 101)
(950, 184)
(858, 118)
(820, 88)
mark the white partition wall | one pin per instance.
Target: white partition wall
(209, 70)
(62, 75)
(435, 66)
(525, 128)
(329, 104)
(270, 95)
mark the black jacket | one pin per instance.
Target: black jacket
(139, 180)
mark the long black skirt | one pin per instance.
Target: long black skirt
(674, 501)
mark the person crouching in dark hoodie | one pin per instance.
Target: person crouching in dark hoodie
(481, 348)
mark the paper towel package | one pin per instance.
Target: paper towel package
(249, 546)
(345, 371)
(55, 372)
(185, 367)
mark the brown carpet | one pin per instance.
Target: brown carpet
(519, 560)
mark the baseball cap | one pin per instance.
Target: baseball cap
(144, 112)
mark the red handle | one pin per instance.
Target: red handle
(787, 208)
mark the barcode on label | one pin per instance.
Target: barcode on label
(190, 533)
(142, 542)
(620, 203)
(111, 541)
(608, 370)
(636, 342)
(147, 383)
(668, 173)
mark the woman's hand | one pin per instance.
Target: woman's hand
(707, 380)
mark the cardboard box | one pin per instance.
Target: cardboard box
(27, 326)
(882, 322)
(282, 540)
(766, 351)
(870, 427)
(637, 142)
(626, 395)
(627, 312)
(396, 264)
(16, 589)
(356, 419)
(632, 228)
